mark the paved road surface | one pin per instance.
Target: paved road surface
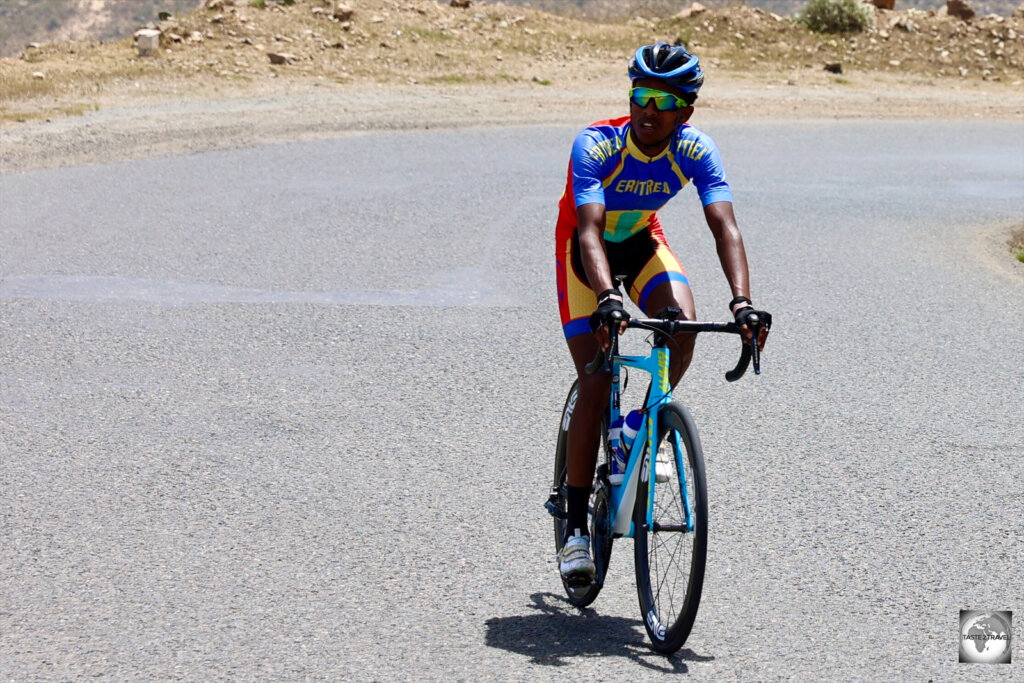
(288, 413)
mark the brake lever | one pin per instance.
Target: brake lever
(755, 353)
(603, 359)
(762, 320)
(613, 345)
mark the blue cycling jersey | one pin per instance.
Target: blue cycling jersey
(608, 168)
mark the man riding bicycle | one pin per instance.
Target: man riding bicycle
(621, 172)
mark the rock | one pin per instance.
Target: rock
(960, 9)
(342, 12)
(147, 40)
(218, 5)
(882, 4)
(39, 75)
(834, 67)
(692, 11)
(280, 57)
(903, 23)
(461, 4)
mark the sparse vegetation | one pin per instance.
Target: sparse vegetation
(1017, 244)
(836, 16)
(621, 10)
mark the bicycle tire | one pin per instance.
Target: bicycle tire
(600, 538)
(661, 554)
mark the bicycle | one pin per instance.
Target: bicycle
(654, 516)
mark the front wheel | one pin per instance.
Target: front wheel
(670, 553)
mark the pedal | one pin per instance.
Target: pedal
(553, 508)
(580, 581)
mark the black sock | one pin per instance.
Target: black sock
(578, 502)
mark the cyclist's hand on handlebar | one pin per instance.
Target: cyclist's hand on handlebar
(743, 314)
(609, 312)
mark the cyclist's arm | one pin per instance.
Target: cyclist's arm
(733, 256)
(595, 259)
(729, 244)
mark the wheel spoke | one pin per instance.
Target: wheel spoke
(670, 553)
(673, 555)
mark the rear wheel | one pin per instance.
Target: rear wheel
(598, 518)
(670, 553)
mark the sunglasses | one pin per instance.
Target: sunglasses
(663, 101)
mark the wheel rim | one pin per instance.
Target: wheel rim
(670, 549)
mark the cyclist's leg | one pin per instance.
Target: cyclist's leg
(584, 438)
(576, 302)
(660, 284)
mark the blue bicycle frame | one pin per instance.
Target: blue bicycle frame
(623, 496)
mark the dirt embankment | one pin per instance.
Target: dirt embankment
(238, 46)
(237, 73)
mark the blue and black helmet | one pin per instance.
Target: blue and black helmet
(672, 64)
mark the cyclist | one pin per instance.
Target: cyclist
(621, 172)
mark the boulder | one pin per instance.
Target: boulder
(342, 12)
(147, 40)
(692, 11)
(960, 9)
(280, 58)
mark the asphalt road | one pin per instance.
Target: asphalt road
(289, 412)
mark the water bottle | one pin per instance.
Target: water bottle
(617, 464)
(630, 426)
(627, 433)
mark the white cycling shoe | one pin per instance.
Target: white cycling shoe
(574, 562)
(663, 467)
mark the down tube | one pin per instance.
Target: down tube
(624, 496)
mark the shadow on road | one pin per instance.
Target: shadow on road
(557, 632)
